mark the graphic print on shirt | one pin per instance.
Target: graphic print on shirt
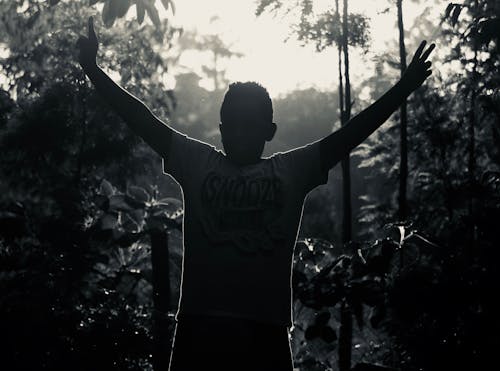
(243, 210)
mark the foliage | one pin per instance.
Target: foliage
(218, 51)
(45, 51)
(114, 9)
(357, 281)
(76, 278)
(321, 29)
(453, 192)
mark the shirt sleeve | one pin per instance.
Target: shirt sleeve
(304, 166)
(186, 157)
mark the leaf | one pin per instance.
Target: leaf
(137, 215)
(122, 7)
(141, 11)
(455, 14)
(152, 13)
(448, 10)
(106, 188)
(108, 221)
(168, 203)
(108, 16)
(33, 19)
(138, 194)
(129, 224)
(119, 203)
(165, 4)
(386, 10)
(489, 29)
(102, 202)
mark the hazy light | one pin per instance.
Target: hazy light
(281, 66)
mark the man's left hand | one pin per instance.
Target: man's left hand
(419, 68)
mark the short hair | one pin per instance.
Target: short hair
(250, 90)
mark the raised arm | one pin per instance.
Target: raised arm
(337, 145)
(135, 113)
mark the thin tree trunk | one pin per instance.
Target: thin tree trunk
(83, 140)
(161, 300)
(471, 167)
(345, 337)
(341, 84)
(345, 333)
(403, 164)
(346, 171)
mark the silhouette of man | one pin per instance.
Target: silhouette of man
(242, 214)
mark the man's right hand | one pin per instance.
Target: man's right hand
(88, 47)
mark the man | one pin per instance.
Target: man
(242, 214)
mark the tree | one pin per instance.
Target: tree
(219, 50)
(446, 284)
(114, 9)
(79, 277)
(480, 35)
(403, 164)
(327, 30)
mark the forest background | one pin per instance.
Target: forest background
(396, 263)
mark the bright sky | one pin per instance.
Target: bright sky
(281, 66)
(284, 66)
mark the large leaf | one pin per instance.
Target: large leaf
(106, 188)
(165, 3)
(108, 13)
(138, 193)
(109, 221)
(122, 7)
(152, 12)
(455, 14)
(140, 10)
(119, 203)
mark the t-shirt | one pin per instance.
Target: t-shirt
(240, 227)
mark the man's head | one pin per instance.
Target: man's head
(246, 124)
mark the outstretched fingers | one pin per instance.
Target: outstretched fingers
(92, 35)
(428, 51)
(419, 51)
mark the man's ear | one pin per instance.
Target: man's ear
(271, 131)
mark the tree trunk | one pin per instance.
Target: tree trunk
(345, 337)
(403, 164)
(341, 84)
(161, 300)
(341, 107)
(471, 166)
(346, 171)
(82, 92)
